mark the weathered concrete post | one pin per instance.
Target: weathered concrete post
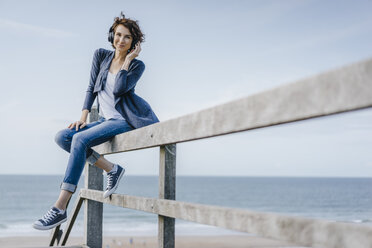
(167, 190)
(93, 211)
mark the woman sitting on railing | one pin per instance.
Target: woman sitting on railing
(113, 76)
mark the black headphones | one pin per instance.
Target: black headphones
(111, 35)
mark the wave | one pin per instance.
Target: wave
(133, 228)
(120, 229)
(362, 221)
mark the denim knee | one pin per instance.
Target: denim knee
(60, 138)
(78, 139)
(79, 142)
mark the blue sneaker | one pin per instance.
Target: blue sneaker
(113, 179)
(50, 220)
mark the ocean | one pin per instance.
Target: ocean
(25, 198)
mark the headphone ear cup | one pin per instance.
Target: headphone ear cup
(111, 36)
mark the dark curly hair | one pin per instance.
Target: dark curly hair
(133, 27)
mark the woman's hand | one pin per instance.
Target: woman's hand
(77, 124)
(135, 52)
(130, 56)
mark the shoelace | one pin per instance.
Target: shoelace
(110, 180)
(49, 216)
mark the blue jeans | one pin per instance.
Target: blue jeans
(79, 143)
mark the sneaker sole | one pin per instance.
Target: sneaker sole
(49, 227)
(115, 187)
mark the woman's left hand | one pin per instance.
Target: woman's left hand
(135, 52)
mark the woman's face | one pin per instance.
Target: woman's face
(122, 38)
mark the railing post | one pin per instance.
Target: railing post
(167, 190)
(93, 211)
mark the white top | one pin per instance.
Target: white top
(107, 101)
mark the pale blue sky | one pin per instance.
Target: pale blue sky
(197, 54)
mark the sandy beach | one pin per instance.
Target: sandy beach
(151, 242)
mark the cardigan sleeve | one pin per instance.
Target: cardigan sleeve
(90, 96)
(125, 81)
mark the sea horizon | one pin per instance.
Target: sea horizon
(153, 175)
(25, 198)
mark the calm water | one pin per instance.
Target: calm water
(23, 199)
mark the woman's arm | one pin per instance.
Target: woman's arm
(90, 97)
(125, 81)
(84, 115)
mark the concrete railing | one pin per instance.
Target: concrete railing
(344, 89)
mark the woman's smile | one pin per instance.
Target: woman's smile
(122, 34)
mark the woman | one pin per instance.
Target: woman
(113, 76)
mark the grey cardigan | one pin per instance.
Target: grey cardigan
(133, 108)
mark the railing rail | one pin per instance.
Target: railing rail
(299, 230)
(344, 89)
(340, 90)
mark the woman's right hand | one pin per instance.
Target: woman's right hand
(77, 124)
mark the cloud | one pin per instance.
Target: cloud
(38, 30)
